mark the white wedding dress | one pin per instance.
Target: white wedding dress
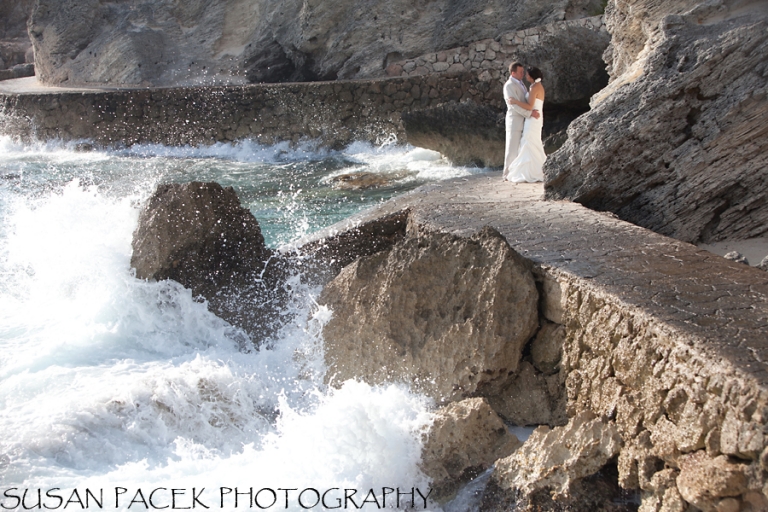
(530, 157)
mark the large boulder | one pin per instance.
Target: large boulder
(198, 235)
(166, 42)
(446, 314)
(677, 142)
(465, 439)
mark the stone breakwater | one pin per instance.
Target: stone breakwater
(663, 353)
(335, 113)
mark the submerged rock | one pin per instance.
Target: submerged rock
(447, 314)
(365, 180)
(199, 235)
(465, 439)
(677, 142)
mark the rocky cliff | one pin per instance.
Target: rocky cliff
(677, 142)
(234, 41)
(15, 47)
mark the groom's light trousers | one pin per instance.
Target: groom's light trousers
(514, 126)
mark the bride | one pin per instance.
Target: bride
(530, 157)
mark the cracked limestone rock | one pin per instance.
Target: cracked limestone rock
(447, 314)
(553, 468)
(465, 439)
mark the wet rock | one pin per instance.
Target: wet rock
(466, 438)
(447, 314)
(565, 468)
(676, 142)
(365, 180)
(465, 133)
(737, 257)
(322, 260)
(198, 235)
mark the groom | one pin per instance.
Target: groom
(515, 88)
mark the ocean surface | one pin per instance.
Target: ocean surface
(118, 394)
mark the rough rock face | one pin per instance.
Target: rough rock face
(199, 235)
(465, 439)
(449, 315)
(465, 133)
(213, 41)
(15, 46)
(552, 470)
(677, 142)
(13, 18)
(532, 398)
(322, 260)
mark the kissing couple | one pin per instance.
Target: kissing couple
(524, 154)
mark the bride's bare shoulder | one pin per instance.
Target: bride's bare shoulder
(538, 90)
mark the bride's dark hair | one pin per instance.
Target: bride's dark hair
(535, 73)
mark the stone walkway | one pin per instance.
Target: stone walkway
(717, 307)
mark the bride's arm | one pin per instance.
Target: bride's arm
(535, 92)
(526, 106)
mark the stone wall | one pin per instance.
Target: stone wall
(568, 52)
(335, 113)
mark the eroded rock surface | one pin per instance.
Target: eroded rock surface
(466, 438)
(215, 41)
(550, 471)
(15, 47)
(198, 235)
(449, 315)
(677, 142)
(532, 398)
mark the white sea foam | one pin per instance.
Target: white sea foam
(107, 380)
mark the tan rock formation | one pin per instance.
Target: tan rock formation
(676, 143)
(547, 347)
(449, 315)
(532, 398)
(552, 465)
(466, 438)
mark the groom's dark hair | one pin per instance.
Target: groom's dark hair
(514, 66)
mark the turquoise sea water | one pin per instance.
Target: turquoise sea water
(113, 385)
